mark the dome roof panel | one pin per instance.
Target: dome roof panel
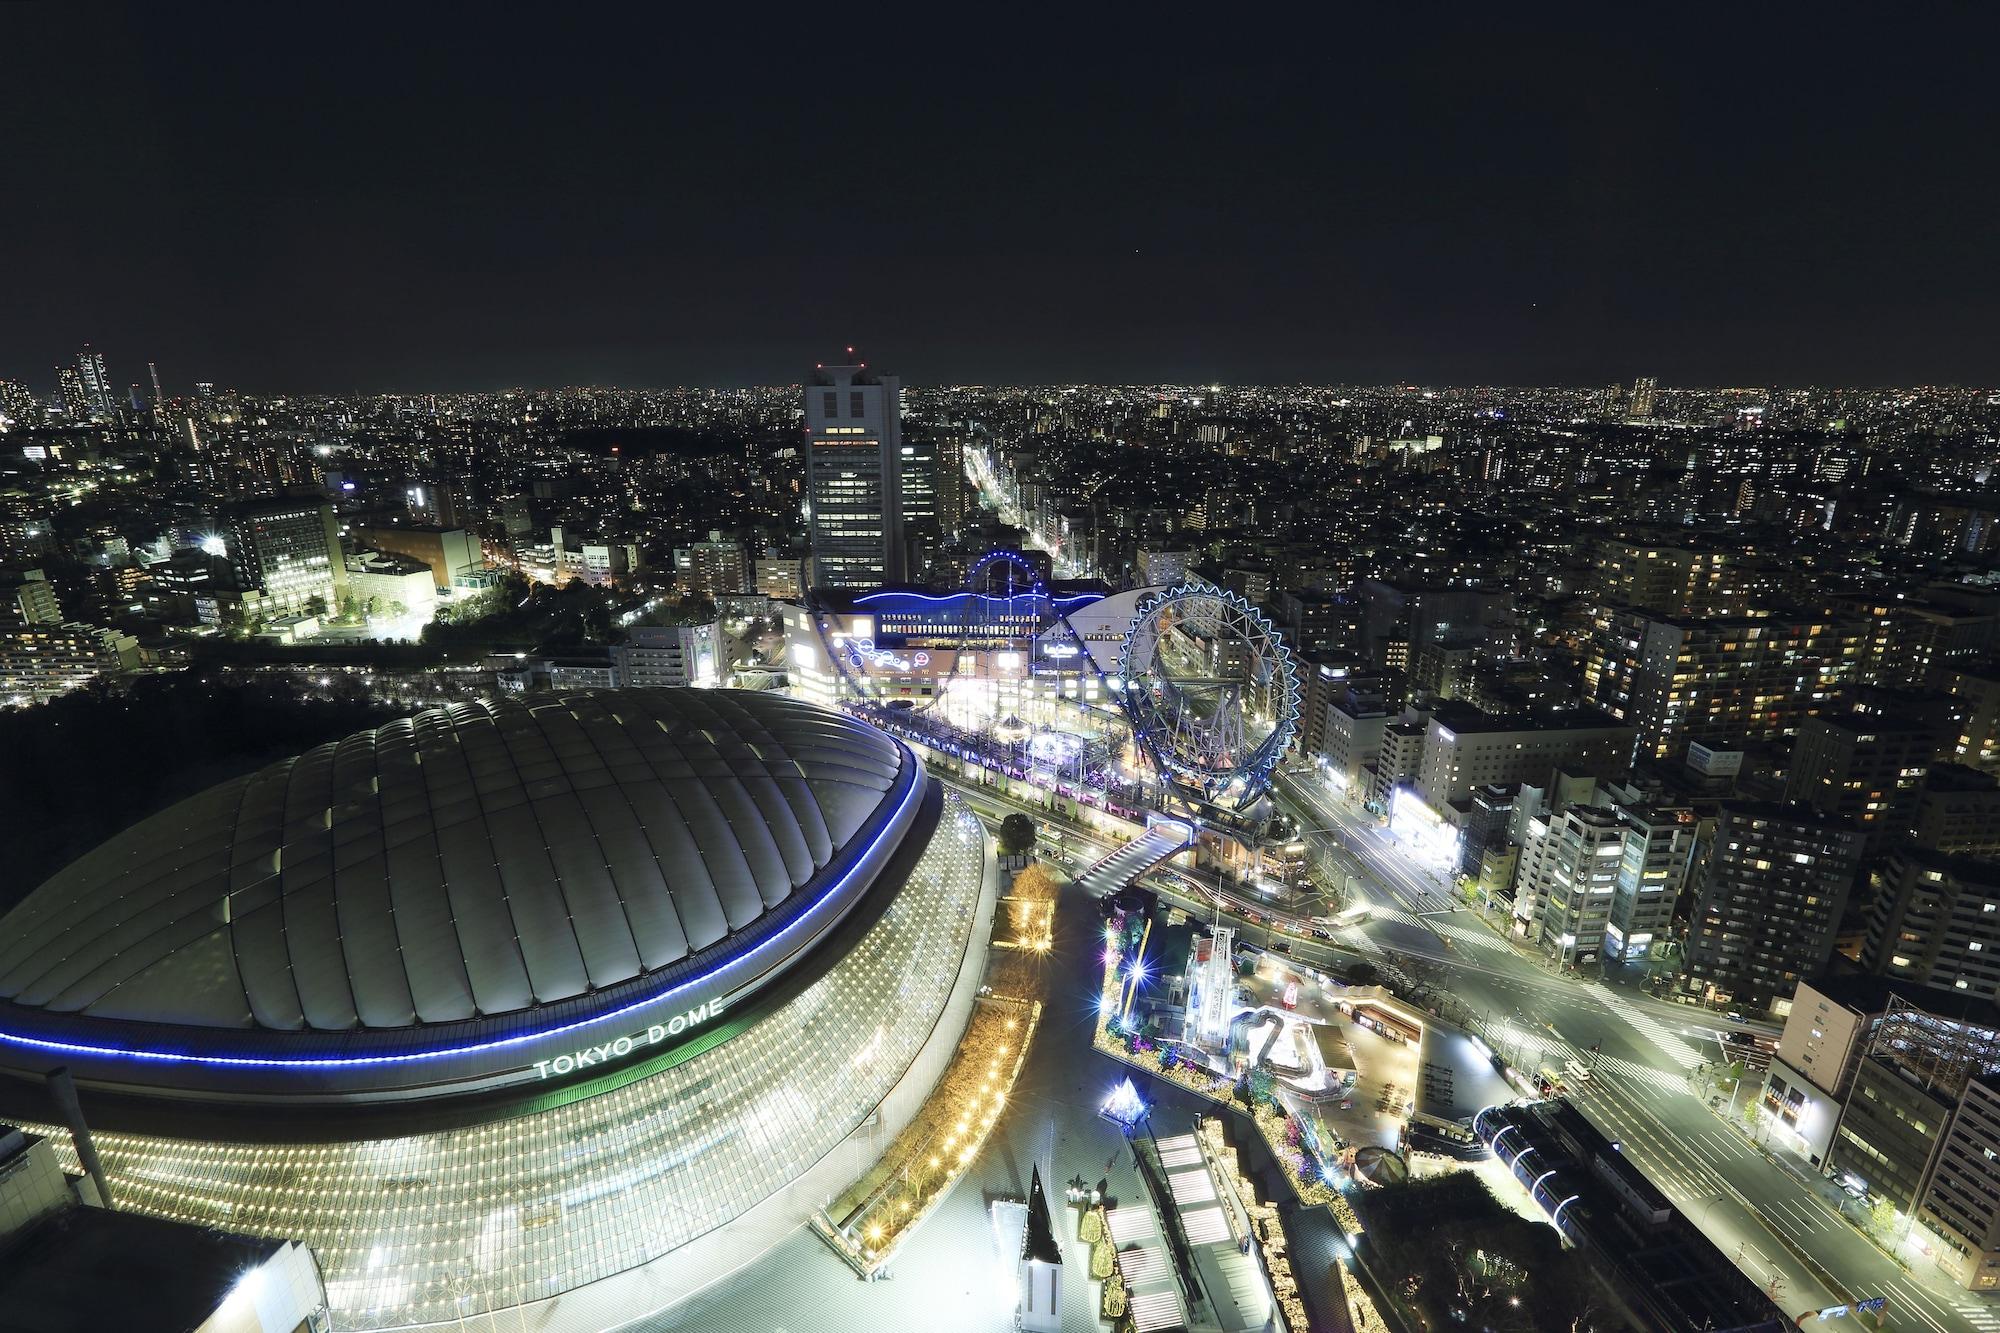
(472, 861)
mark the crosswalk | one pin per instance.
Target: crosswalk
(1649, 1027)
(1473, 937)
(1927, 1310)
(1982, 1317)
(1631, 1071)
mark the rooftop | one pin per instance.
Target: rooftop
(88, 1269)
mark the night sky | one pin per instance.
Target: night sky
(337, 198)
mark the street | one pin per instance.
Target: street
(1642, 1050)
(1775, 1226)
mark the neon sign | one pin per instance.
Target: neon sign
(605, 1052)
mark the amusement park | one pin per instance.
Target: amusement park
(1141, 736)
(1175, 701)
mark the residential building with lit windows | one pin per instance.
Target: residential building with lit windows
(1768, 899)
(28, 598)
(1466, 749)
(39, 661)
(1978, 744)
(1717, 680)
(1601, 878)
(1861, 767)
(1675, 577)
(715, 568)
(1958, 811)
(1567, 876)
(494, 1003)
(854, 462)
(1962, 1206)
(1913, 636)
(1935, 921)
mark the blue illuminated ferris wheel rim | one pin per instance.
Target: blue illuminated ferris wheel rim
(1250, 772)
(1003, 557)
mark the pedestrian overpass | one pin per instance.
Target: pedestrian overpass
(1162, 838)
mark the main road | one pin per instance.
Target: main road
(1778, 1226)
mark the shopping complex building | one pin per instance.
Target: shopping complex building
(499, 1001)
(1893, 1089)
(1003, 652)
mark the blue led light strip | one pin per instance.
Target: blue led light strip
(808, 917)
(982, 596)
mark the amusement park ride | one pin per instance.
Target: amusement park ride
(1188, 712)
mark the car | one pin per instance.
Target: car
(1741, 1038)
(1734, 1015)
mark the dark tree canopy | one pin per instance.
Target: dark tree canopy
(85, 765)
(1017, 834)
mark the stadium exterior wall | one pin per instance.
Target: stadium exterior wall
(591, 1181)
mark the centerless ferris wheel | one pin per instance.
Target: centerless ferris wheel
(1211, 690)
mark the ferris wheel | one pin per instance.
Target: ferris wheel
(1211, 691)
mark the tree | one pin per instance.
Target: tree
(1882, 1218)
(1471, 1261)
(1363, 973)
(1017, 835)
(1035, 884)
(1751, 1110)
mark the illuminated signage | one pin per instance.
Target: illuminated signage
(605, 1052)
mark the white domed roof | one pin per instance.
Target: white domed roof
(466, 862)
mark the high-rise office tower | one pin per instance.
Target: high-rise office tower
(951, 481)
(96, 381)
(854, 454)
(289, 550)
(1644, 390)
(919, 471)
(159, 399)
(69, 390)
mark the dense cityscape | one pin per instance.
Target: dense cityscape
(1625, 760)
(698, 671)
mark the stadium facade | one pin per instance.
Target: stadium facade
(503, 999)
